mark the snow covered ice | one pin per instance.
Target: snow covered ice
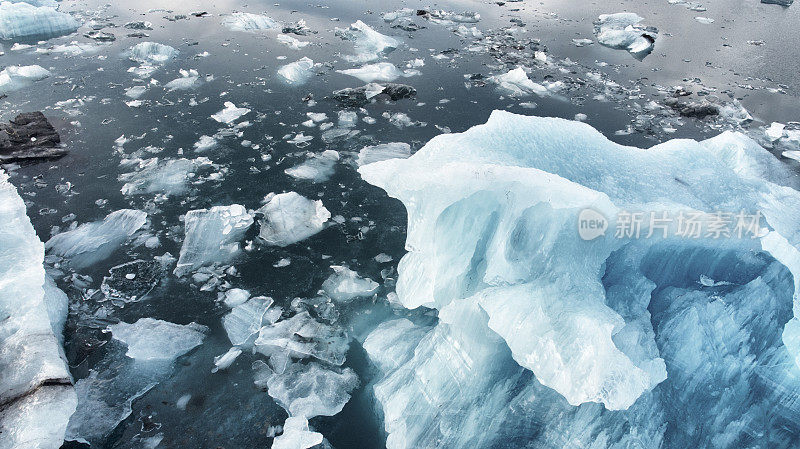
(36, 393)
(24, 19)
(487, 210)
(290, 217)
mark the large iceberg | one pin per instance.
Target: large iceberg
(558, 321)
(24, 20)
(36, 393)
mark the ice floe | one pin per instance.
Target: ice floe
(92, 242)
(212, 236)
(290, 217)
(245, 21)
(318, 167)
(369, 44)
(230, 114)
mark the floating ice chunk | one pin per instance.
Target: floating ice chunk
(298, 72)
(170, 177)
(135, 92)
(318, 167)
(301, 337)
(369, 44)
(230, 114)
(245, 320)
(622, 31)
(245, 21)
(35, 386)
(226, 360)
(516, 82)
(212, 236)
(471, 32)
(236, 296)
(382, 152)
(735, 113)
(296, 435)
(17, 77)
(291, 41)
(382, 71)
(704, 20)
(311, 390)
(92, 242)
(775, 131)
(449, 18)
(20, 19)
(189, 79)
(151, 53)
(205, 143)
(345, 285)
(400, 13)
(290, 217)
(72, 49)
(149, 339)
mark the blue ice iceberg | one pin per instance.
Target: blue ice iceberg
(25, 20)
(609, 339)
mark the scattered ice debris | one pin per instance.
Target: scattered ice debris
(623, 31)
(212, 236)
(318, 167)
(290, 217)
(20, 19)
(449, 18)
(245, 21)
(299, 28)
(139, 25)
(29, 136)
(382, 152)
(380, 72)
(582, 42)
(74, 48)
(92, 242)
(301, 337)
(14, 78)
(633, 310)
(132, 281)
(291, 41)
(149, 339)
(345, 285)
(369, 44)
(230, 114)
(735, 113)
(189, 79)
(360, 96)
(169, 177)
(298, 72)
(36, 393)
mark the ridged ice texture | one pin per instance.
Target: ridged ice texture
(544, 337)
(34, 378)
(24, 20)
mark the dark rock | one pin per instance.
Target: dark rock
(357, 96)
(778, 2)
(694, 109)
(29, 137)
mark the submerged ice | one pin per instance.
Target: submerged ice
(613, 340)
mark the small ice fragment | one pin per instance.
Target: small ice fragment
(236, 296)
(230, 114)
(226, 360)
(298, 72)
(345, 285)
(290, 217)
